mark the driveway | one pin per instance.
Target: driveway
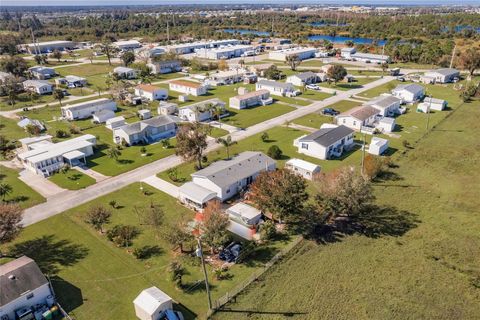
(162, 185)
(43, 186)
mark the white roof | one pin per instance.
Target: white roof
(75, 154)
(299, 163)
(387, 120)
(197, 193)
(295, 50)
(378, 141)
(151, 299)
(34, 139)
(115, 119)
(126, 43)
(46, 43)
(144, 111)
(244, 210)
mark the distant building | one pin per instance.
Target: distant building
(409, 93)
(325, 143)
(444, 75)
(127, 45)
(226, 52)
(190, 47)
(430, 103)
(251, 99)
(304, 78)
(167, 66)
(38, 86)
(126, 73)
(188, 87)
(87, 109)
(146, 131)
(150, 92)
(201, 111)
(275, 87)
(167, 108)
(352, 54)
(71, 81)
(387, 105)
(48, 46)
(24, 290)
(42, 73)
(300, 52)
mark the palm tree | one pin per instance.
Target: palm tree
(217, 113)
(58, 95)
(113, 152)
(227, 143)
(5, 190)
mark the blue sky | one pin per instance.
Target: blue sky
(150, 2)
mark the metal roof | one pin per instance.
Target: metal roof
(87, 104)
(270, 83)
(196, 192)
(361, 112)
(327, 136)
(305, 75)
(244, 210)
(412, 87)
(384, 101)
(299, 163)
(444, 71)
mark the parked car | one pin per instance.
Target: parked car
(330, 112)
(231, 253)
(293, 93)
(312, 87)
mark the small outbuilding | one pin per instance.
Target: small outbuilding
(429, 104)
(167, 108)
(151, 303)
(103, 115)
(244, 220)
(377, 146)
(116, 122)
(304, 168)
(386, 124)
(144, 114)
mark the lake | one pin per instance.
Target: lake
(342, 39)
(328, 24)
(245, 31)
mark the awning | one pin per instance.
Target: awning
(72, 155)
(196, 193)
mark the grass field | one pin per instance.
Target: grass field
(418, 259)
(357, 83)
(93, 277)
(72, 180)
(313, 120)
(95, 73)
(10, 130)
(24, 100)
(247, 117)
(21, 193)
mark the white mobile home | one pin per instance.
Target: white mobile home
(127, 45)
(301, 53)
(251, 99)
(201, 111)
(86, 109)
(275, 88)
(303, 168)
(145, 131)
(303, 78)
(48, 158)
(150, 92)
(167, 108)
(190, 47)
(409, 93)
(41, 72)
(347, 53)
(126, 73)
(430, 103)
(102, 116)
(115, 122)
(358, 117)
(325, 143)
(378, 146)
(48, 46)
(225, 178)
(166, 66)
(188, 87)
(226, 52)
(387, 105)
(244, 220)
(38, 86)
(444, 75)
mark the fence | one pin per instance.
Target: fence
(223, 300)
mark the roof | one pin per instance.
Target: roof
(150, 299)
(104, 112)
(148, 88)
(445, 71)
(115, 119)
(327, 136)
(227, 172)
(165, 62)
(252, 94)
(46, 43)
(196, 192)
(57, 149)
(139, 126)
(41, 69)
(123, 69)
(35, 139)
(87, 104)
(36, 83)
(299, 163)
(433, 100)
(295, 50)
(305, 75)
(126, 42)
(75, 154)
(202, 104)
(412, 87)
(72, 78)
(270, 83)
(349, 50)
(18, 277)
(384, 101)
(370, 56)
(378, 141)
(167, 104)
(186, 83)
(228, 48)
(244, 210)
(361, 112)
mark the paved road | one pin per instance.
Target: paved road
(67, 201)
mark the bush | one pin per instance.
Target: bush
(61, 134)
(74, 129)
(274, 152)
(145, 252)
(268, 230)
(264, 137)
(122, 235)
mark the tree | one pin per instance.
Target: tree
(214, 225)
(264, 137)
(90, 57)
(273, 73)
(274, 152)
(122, 235)
(281, 192)
(342, 192)
(165, 143)
(113, 152)
(56, 54)
(108, 49)
(11, 87)
(128, 58)
(98, 216)
(58, 95)
(38, 58)
(268, 230)
(15, 65)
(293, 60)
(5, 190)
(153, 216)
(227, 143)
(373, 166)
(222, 65)
(192, 142)
(61, 134)
(349, 43)
(10, 221)
(384, 66)
(177, 235)
(470, 60)
(336, 72)
(177, 271)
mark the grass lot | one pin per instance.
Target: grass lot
(315, 95)
(72, 180)
(357, 83)
(313, 120)
(344, 105)
(366, 72)
(93, 277)
(418, 259)
(217, 132)
(247, 117)
(10, 130)
(95, 73)
(23, 100)
(21, 193)
(312, 63)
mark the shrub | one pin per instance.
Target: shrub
(264, 137)
(275, 152)
(268, 230)
(61, 134)
(74, 129)
(122, 235)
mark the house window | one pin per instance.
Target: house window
(228, 190)
(344, 120)
(354, 123)
(29, 296)
(305, 146)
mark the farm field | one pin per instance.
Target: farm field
(92, 276)
(428, 219)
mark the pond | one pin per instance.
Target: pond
(329, 24)
(245, 31)
(342, 39)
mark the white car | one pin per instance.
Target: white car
(293, 93)
(312, 87)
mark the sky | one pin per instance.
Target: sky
(160, 2)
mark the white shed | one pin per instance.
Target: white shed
(304, 168)
(377, 146)
(116, 122)
(150, 303)
(144, 114)
(103, 115)
(386, 124)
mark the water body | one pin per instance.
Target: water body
(342, 39)
(328, 24)
(461, 28)
(245, 31)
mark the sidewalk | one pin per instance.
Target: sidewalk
(91, 173)
(162, 185)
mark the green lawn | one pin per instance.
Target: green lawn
(315, 95)
(357, 83)
(312, 63)
(218, 132)
(313, 120)
(93, 277)
(344, 105)
(417, 259)
(24, 100)
(10, 130)
(21, 193)
(248, 117)
(72, 180)
(95, 73)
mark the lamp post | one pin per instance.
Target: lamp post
(207, 286)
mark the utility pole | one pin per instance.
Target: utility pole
(428, 112)
(207, 286)
(363, 154)
(453, 55)
(168, 31)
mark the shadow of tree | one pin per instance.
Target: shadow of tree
(50, 253)
(71, 296)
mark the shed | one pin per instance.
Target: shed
(144, 114)
(103, 115)
(167, 108)
(244, 214)
(386, 124)
(377, 146)
(150, 303)
(304, 168)
(116, 122)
